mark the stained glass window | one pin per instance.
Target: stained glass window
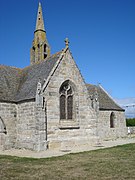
(66, 101)
(69, 107)
(62, 107)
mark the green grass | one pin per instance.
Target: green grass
(105, 164)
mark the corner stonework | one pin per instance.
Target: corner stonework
(40, 133)
(41, 121)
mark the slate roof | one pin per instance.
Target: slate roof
(20, 84)
(9, 81)
(105, 101)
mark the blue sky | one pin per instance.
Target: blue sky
(129, 106)
(101, 34)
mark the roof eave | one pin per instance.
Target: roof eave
(110, 109)
(19, 101)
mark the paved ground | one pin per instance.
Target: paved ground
(56, 152)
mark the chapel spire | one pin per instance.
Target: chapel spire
(40, 48)
(40, 21)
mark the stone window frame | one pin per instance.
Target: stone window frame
(74, 122)
(66, 91)
(112, 120)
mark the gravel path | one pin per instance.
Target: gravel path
(56, 152)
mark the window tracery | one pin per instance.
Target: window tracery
(66, 101)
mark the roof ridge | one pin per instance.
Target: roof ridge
(21, 69)
(88, 84)
(42, 61)
(13, 67)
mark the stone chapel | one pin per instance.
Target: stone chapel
(49, 105)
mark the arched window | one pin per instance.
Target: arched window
(38, 46)
(45, 53)
(112, 120)
(33, 53)
(66, 101)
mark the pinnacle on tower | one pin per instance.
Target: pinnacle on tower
(40, 48)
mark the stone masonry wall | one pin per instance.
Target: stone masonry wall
(8, 115)
(104, 130)
(26, 125)
(80, 130)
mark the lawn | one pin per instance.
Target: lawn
(116, 163)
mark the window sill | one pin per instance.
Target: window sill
(68, 124)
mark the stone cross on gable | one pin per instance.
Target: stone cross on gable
(67, 42)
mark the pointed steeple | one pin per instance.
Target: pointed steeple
(40, 21)
(40, 48)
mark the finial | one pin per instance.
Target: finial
(67, 42)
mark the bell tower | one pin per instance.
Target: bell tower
(40, 48)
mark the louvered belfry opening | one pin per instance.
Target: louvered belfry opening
(66, 101)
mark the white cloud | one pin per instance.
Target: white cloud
(129, 105)
(126, 101)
